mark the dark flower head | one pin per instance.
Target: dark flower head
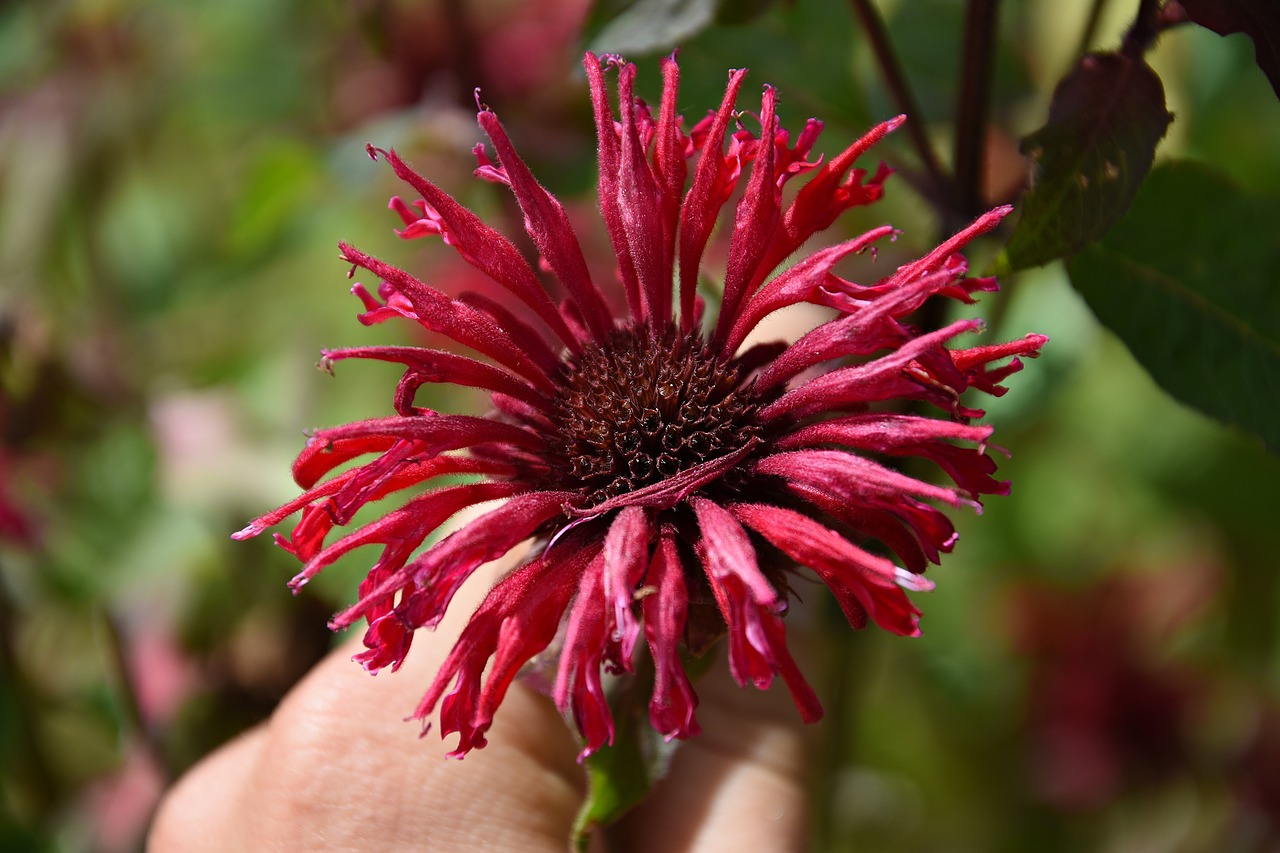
(672, 477)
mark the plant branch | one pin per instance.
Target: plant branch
(1090, 27)
(895, 79)
(126, 689)
(1143, 31)
(31, 760)
(976, 72)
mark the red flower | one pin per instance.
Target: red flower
(672, 478)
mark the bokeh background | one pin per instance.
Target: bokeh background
(1101, 662)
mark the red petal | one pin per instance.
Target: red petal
(549, 226)
(578, 689)
(486, 249)
(754, 224)
(444, 367)
(626, 553)
(860, 581)
(517, 619)
(797, 284)
(440, 570)
(882, 379)
(671, 710)
(909, 435)
(461, 322)
(824, 196)
(703, 202)
(437, 433)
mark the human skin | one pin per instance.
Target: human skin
(337, 768)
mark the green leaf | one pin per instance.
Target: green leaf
(1258, 19)
(1190, 281)
(1090, 158)
(738, 12)
(647, 26)
(619, 777)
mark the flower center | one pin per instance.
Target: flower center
(638, 409)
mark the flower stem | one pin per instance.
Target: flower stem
(34, 770)
(1090, 27)
(1143, 31)
(974, 105)
(133, 722)
(891, 69)
(1153, 18)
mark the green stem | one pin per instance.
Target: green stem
(40, 780)
(126, 690)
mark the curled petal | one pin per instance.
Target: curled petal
(861, 582)
(578, 688)
(757, 637)
(671, 710)
(755, 220)
(461, 322)
(626, 553)
(909, 435)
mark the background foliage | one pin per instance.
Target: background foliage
(1101, 660)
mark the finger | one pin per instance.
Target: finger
(200, 811)
(740, 785)
(337, 768)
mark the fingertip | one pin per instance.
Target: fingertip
(199, 812)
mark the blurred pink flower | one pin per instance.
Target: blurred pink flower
(16, 524)
(1105, 713)
(121, 804)
(672, 478)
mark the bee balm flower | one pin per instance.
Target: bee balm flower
(672, 478)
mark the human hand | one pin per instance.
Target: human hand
(335, 768)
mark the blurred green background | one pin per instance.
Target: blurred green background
(1101, 662)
